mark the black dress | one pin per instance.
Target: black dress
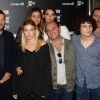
(36, 78)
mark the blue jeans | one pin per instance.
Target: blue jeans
(82, 93)
(60, 94)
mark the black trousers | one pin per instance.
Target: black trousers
(5, 92)
(32, 97)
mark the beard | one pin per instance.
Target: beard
(98, 24)
(1, 27)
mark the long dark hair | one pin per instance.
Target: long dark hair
(29, 14)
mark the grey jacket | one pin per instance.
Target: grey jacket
(70, 64)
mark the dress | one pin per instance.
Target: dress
(36, 78)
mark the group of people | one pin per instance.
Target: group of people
(45, 62)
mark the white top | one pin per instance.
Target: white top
(64, 33)
(61, 71)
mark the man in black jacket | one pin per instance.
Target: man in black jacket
(6, 60)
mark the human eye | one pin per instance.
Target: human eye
(25, 30)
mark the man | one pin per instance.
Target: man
(96, 15)
(6, 60)
(63, 63)
(88, 59)
(49, 15)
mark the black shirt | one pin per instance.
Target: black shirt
(1, 55)
(37, 72)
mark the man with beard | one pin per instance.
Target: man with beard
(6, 60)
(96, 16)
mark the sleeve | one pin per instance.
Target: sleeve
(48, 78)
(18, 60)
(65, 32)
(10, 53)
(72, 64)
(19, 57)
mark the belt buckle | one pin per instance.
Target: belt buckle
(59, 86)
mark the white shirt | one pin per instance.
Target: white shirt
(65, 32)
(61, 71)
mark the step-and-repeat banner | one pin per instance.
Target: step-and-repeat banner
(67, 11)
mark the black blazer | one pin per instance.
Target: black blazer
(9, 56)
(9, 51)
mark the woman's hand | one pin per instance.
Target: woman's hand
(15, 96)
(19, 70)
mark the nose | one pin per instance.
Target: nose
(98, 18)
(0, 21)
(88, 28)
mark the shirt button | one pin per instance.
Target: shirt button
(84, 57)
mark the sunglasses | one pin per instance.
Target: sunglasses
(60, 58)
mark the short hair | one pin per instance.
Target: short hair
(1, 12)
(56, 22)
(98, 8)
(81, 20)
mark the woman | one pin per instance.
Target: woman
(49, 15)
(33, 72)
(35, 15)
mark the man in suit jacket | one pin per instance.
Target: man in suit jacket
(6, 60)
(63, 61)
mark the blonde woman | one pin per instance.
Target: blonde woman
(35, 15)
(33, 65)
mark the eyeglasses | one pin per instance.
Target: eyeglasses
(60, 58)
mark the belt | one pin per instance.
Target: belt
(59, 86)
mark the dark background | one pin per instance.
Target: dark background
(67, 11)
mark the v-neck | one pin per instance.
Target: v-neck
(89, 45)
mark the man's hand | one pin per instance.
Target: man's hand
(1, 81)
(5, 78)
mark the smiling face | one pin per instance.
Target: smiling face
(53, 30)
(29, 31)
(49, 15)
(36, 17)
(96, 16)
(86, 29)
(2, 21)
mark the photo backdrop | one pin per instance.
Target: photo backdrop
(67, 11)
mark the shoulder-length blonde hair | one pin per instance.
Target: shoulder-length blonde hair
(38, 37)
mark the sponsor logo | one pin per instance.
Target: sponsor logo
(30, 3)
(17, 4)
